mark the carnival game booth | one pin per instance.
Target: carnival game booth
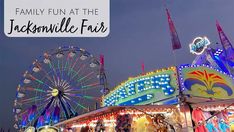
(213, 116)
(143, 103)
(190, 98)
(209, 94)
(145, 118)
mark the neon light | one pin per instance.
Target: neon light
(144, 84)
(137, 100)
(144, 89)
(199, 45)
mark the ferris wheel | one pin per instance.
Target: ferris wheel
(61, 84)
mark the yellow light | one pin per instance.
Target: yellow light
(55, 92)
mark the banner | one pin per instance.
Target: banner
(56, 18)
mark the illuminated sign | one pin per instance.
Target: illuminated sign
(144, 89)
(199, 45)
(201, 81)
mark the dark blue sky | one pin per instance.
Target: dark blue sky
(139, 32)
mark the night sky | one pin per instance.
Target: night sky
(139, 32)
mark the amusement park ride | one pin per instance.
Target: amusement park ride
(222, 59)
(60, 84)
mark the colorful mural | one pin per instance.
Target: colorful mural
(203, 81)
(145, 89)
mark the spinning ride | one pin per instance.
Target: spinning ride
(57, 86)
